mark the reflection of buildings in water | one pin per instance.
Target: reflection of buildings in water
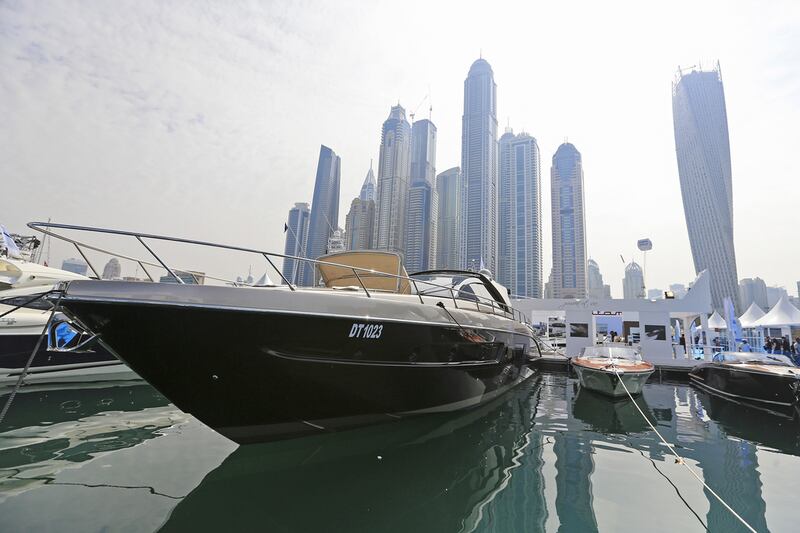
(729, 466)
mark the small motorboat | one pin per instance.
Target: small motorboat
(758, 377)
(606, 368)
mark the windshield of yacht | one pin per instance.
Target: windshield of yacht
(448, 285)
(612, 352)
(753, 357)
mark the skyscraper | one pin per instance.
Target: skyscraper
(479, 165)
(360, 225)
(369, 186)
(422, 215)
(519, 265)
(393, 178)
(633, 282)
(324, 217)
(112, 270)
(595, 288)
(569, 224)
(753, 290)
(704, 166)
(75, 265)
(450, 240)
(296, 240)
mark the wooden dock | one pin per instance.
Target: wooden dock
(676, 370)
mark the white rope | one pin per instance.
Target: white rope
(678, 458)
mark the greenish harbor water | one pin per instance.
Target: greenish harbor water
(546, 457)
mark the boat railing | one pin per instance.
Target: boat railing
(482, 304)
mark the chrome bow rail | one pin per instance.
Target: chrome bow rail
(481, 304)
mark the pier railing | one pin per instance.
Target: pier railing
(474, 301)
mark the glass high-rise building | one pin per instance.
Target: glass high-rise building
(450, 226)
(568, 277)
(421, 218)
(519, 265)
(753, 290)
(394, 168)
(369, 186)
(75, 265)
(324, 219)
(112, 270)
(360, 225)
(296, 240)
(704, 166)
(633, 282)
(595, 288)
(479, 166)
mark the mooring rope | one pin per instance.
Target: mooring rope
(678, 458)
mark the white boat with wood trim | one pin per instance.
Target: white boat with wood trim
(612, 368)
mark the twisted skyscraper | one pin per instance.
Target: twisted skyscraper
(324, 217)
(479, 165)
(704, 167)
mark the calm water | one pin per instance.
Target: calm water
(547, 457)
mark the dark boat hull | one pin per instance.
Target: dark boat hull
(745, 384)
(258, 376)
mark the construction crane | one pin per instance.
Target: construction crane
(413, 113)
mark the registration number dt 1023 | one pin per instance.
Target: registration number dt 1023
(366, 331)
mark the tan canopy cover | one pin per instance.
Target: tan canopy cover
(383, 262)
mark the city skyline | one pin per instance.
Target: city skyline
(160, 110)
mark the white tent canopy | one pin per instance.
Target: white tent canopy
(749, 318)
(783, 313)
(715, 321)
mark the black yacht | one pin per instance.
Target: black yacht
(758, 377)
(370, 344)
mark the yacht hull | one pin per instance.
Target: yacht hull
(610, 383)
(743, 383)
(259, 375)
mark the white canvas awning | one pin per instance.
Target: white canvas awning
(749, 318)
(715, 321)
(783, 313)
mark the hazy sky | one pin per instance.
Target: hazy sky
(204, 120)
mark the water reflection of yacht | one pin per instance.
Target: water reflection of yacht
(774, 426)
(609, 415)
(435, 473)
